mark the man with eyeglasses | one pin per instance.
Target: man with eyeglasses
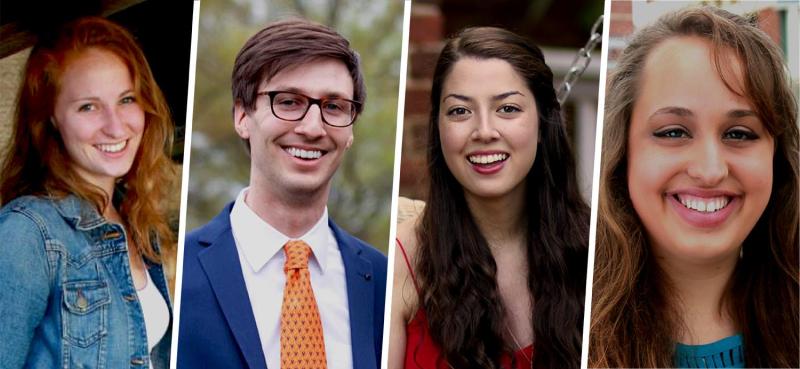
(271, 281)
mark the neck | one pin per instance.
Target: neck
(501, 220)
(111, 213)
(291, 214)
(700, 289)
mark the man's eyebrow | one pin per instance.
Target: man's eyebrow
(324, 94)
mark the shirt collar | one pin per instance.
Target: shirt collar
(260, 241)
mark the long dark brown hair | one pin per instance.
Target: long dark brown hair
(456, 269)
(634, 322)
(37, 162)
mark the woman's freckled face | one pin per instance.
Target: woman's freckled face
(98, 116)
(488, 125)
(700, 159)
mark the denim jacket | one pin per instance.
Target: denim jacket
(67, 298)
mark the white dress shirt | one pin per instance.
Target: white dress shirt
(261, 256)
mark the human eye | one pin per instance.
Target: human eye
(87, 107)
(509, 110)
(672, 132)
(289, 101)
(130, 99)
(336, 106)
(740, 134)
(458, 112)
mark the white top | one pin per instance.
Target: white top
(156, 312)
(261, 256)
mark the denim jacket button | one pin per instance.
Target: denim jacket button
(129, 298)
(82, 302)
(111, 235)
(137, 361)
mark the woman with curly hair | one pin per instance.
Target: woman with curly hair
(83, 183)
(492, 274)
(697, 235)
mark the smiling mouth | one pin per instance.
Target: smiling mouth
(304, 154)
(112, 148)
(703, 205)
(487, 159)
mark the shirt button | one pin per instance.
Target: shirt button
(137, 361)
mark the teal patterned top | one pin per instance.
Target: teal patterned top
(725, 353)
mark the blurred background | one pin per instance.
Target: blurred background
(360, 200)
(779, 19)
(560, 28)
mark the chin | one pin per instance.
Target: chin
(704, 249)
(305, 185)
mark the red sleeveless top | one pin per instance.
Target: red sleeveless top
(423, 353)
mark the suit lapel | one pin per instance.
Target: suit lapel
(220, 262)
(360, 295)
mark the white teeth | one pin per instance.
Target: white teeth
(112, 148)
(487, 159)
(304, 154)
(704, 205)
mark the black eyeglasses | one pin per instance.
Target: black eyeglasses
(293, 106)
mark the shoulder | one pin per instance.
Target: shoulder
(405, 296)
(363, 249)
(24, 233)
(29, 205)
(210, 231)
(407, 235)
(27, 216)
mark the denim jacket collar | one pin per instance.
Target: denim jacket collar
(79, 213)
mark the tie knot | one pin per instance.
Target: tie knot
(297, 253)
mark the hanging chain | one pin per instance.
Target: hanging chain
(581, 61)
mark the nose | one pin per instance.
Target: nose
(708, 164)
(484, 129)
(114, 126)
(312, 125)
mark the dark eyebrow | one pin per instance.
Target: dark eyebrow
(741, 113)
(506, 94)
(459, 97)
(675, 110)
(494, 98)
(325, 94)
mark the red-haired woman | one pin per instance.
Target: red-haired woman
(83, 182)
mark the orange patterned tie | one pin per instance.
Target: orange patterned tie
(302, 343)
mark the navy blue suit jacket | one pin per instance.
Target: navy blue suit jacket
(217, 326)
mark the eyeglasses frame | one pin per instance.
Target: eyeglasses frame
(311, 101)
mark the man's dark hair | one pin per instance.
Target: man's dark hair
(285, 44)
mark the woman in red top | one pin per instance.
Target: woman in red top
(492, 273)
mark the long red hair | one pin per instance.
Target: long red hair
(37, 162)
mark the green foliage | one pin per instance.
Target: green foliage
(360, 200)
